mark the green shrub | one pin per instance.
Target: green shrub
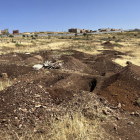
(36, 35)
(84, 34)
(23, 35)
(49, 37)
(18, 45)
(11, 35)
(33, 38)
(113, 37)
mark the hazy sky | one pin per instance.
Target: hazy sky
(59, 15)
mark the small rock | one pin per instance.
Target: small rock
(4, 75)
(116, 53)
(115, 126)
(119, 105)
(38, 66)
(130, 123)
(132, 113)
(24, 110)
(37, 106)
(128, 62)
(27, 53)
(104, 112)
(20, 125)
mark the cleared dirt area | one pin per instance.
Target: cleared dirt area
(92, 84)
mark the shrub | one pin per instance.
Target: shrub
(11, 35)
(113, 37)
(23, 35)
(18, 45)
(49, 37)
(36, 35)
(33, 38)
(84, 34)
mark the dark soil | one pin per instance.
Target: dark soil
(35, 94)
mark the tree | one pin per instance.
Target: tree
(84, 34)
(11, 36)
(36, 35)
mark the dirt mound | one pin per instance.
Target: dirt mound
(104, 64)
(123, 88)
(32, 61)
(70, 63)
(22, 104)
(76, 82)
(108, 45)
(13, 71)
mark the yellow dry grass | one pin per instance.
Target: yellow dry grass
(70, 127)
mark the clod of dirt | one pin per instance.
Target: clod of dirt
(108, 44)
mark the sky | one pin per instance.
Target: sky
(60, 15)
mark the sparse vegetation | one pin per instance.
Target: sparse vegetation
(19, 45)
(11, 36)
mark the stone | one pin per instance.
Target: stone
(24, 110)
(128, 62)
(38, 66)
(27, 53)
(130, 123)
(105, 112)
(4, 75)
(119, 105)
(37, 105)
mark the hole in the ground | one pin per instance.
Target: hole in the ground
(93, 84)
(103, 74)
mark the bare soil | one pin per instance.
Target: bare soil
(36, 94)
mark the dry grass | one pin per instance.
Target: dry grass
(70, 127)
(5, 83)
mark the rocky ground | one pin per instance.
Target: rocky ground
(92, 84)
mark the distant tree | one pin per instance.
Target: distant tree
(75, 35)
(23, 35)
(32, 36)
(36, 35)
(11, 35)
(84, 34)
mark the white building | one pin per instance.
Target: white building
(0, 31)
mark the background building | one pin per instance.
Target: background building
(15, 31)
(75, 30)
(5, 31)
(0, 31)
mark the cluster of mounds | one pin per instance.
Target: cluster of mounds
(35, 95)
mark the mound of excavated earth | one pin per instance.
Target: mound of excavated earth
(123, 87)
(86, 82)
